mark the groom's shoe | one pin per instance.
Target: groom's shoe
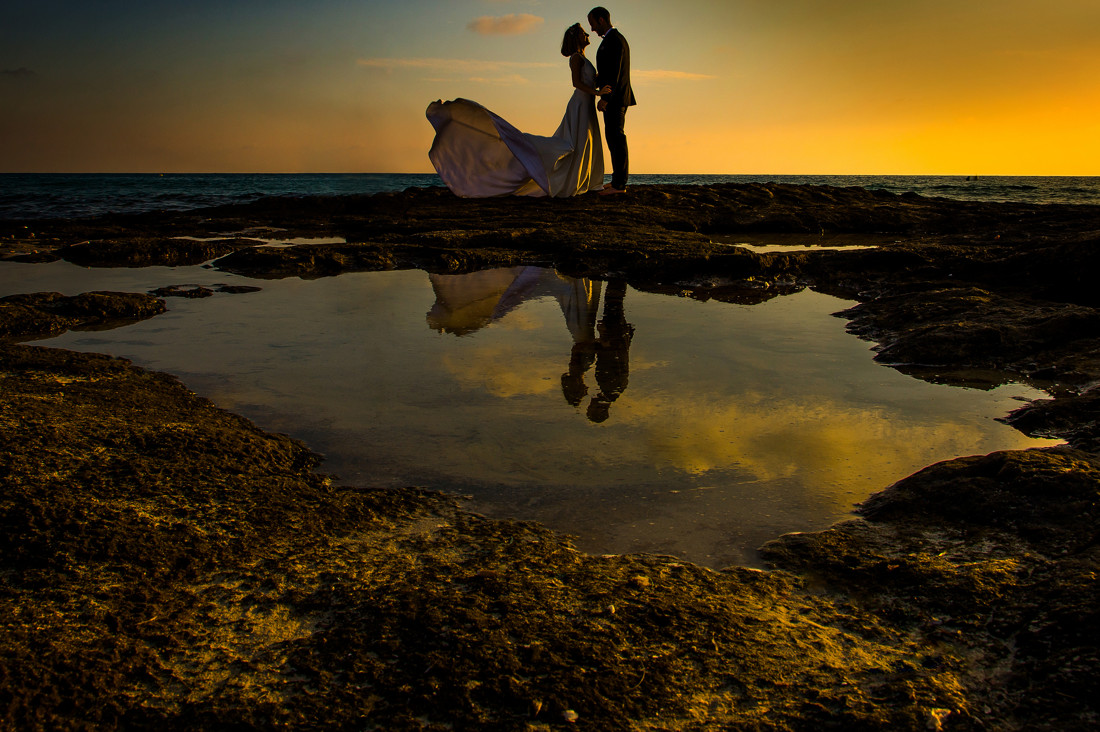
(611, 191)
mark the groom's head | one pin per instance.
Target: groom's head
(600, 20)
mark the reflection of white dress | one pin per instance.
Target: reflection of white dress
(468, 302)
(478, 154)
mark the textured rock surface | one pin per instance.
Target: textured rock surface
(40, 314)
(164, 563)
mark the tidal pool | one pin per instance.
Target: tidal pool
(633, 421)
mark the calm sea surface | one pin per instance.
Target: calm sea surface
(31, 196)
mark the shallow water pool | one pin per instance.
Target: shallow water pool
(633, 421)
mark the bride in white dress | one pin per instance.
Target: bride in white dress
(478, 154)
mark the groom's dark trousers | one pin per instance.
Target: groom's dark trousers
(614, 125)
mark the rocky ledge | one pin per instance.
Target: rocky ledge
(40, 314)
(164, 563)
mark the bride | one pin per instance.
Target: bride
(478, 154)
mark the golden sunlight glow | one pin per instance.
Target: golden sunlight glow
(834, 450)
(503, 371)
(968, 87)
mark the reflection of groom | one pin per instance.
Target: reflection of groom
(613, 80)
(610, 351)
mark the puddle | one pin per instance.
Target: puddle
(780, 248)
(784, 243)
(302, 240)
(633, 421)
(269, 242)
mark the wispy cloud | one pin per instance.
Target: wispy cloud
(502, 72)
(453, 65)
(513, 24)
(667, 75)
(509, 80)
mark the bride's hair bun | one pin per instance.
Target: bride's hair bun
(573, 41)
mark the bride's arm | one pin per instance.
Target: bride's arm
(576, 64)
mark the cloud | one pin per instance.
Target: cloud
(21, 73)
(453, 65)
(509, 80)
(666, 75)
(505, 25)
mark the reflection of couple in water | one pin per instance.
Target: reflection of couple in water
(465, 303)
(607, 345)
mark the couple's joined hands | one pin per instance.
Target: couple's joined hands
(601, 105)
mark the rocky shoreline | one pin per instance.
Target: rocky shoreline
(167, 564)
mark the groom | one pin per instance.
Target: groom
(613, 81)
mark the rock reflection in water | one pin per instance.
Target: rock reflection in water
(468, 302)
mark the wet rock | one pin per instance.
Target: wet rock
(1072, 417)
(237, 289)
(45, 314)
(658, 234)
(998, 554)
(188, 291)
(199, 291)
(34, 257)
(315, 260)
(963, 328)
(147, 252)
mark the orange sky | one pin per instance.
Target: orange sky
(747, 86)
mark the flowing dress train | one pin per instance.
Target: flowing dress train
(479, 154)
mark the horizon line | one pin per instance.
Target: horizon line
(364, 172)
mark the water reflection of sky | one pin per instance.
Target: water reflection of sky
(637, 422)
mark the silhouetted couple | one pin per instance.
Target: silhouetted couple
(479, 154)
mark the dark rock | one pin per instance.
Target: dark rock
(959, 327)
(199, 291)
(34, 257)
(189, 291)
(997, 554)
(1074, 418)
(678, 226)
(237, 289)
(45, 314)
(146, 252)
(305, 261)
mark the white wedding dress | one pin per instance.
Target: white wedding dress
(478, 154)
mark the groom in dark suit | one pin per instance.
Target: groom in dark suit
(613, 81)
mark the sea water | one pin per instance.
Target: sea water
(32, 196)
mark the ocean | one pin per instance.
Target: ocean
(77, 195)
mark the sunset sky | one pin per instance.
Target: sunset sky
(968, 87)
